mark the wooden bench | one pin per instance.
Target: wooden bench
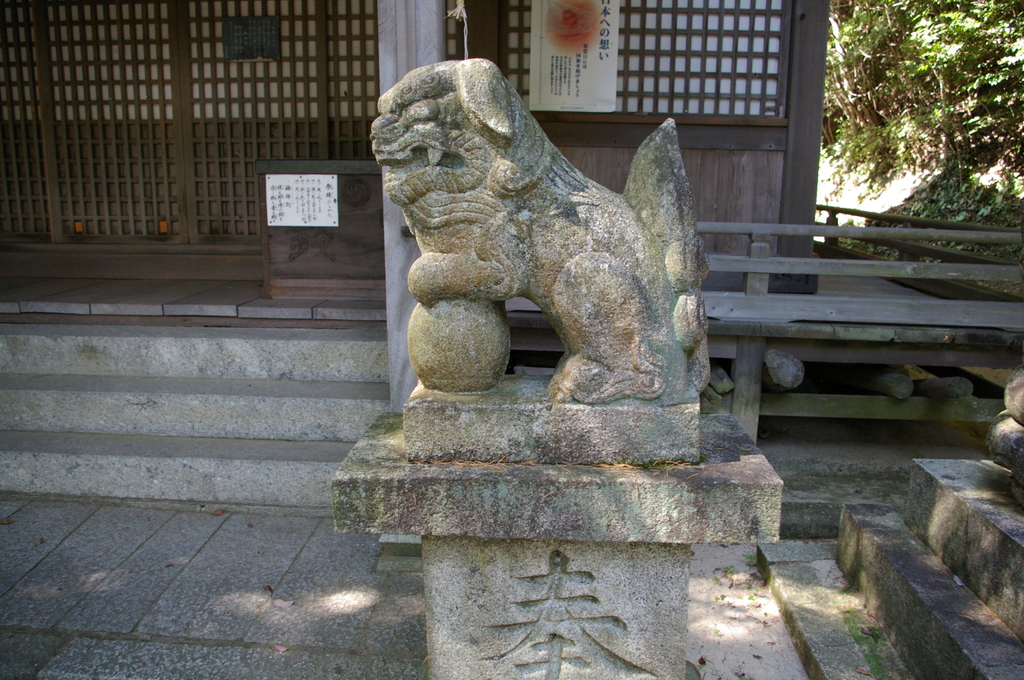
(857, 316)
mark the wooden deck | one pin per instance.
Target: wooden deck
(149, 298)
(241, 299)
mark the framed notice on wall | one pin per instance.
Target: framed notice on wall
(574, 55)
(302, 200)
(344, 261)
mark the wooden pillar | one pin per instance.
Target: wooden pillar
(44, 87)
(804, 105)
(746, 369)
(410, 34)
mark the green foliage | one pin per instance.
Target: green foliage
(926, 85)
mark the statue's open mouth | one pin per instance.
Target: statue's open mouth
(417, 156)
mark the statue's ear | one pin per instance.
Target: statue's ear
(485, 98)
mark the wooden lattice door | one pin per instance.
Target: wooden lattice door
(315, 102)
(123, 122)
(23, 202)
(114, 142)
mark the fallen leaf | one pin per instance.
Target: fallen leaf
(217, 513)
(6, 520)
(250, 525)
(282, 604)
(862, 671)
(270, 588)
(757, 656)
(281, 648)
(38, 541)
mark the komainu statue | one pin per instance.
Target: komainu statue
(498, 213)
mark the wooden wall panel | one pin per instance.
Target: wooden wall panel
(728, 185)
(110, 69)
(23, 203)
(351, 76)
(244, 110)
(124, 123)
(715, 58)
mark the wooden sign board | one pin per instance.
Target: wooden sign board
(303, 200)
(343, 260)
(251, 38)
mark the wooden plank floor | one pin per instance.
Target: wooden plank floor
(130, 297)
(241, 299)
(863, 286)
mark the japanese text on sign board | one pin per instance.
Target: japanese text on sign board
(247, 38)
(302, 200)
(565, 72)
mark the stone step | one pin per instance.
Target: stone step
(938, 627)
(957, 506)
(822, 614)
(358, 354)
(293, 474)
(191, 407)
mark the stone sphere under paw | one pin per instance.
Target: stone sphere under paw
(459, 345)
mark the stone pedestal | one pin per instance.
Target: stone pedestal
(517, 423)
(567, 571)
(557, 609)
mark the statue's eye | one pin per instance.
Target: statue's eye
(430, 86)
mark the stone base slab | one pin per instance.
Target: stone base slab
(733, 496)
(516, 422)
(964, 511)
(507, 610)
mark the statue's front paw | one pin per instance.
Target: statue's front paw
(426, 281)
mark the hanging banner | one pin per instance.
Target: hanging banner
(574, 55)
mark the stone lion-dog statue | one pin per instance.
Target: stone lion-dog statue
(498, 213)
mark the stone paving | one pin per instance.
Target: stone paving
(154, 593)
(95, 591)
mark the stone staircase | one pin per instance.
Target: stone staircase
(247, 416)
(946, 578)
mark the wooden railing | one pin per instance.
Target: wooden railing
(757, 265)
(910, 220)
(860, 327)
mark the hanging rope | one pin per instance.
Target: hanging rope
(459, 14)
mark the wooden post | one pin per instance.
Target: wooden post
(184, 146)
(877, 379)
(746, 398)
(485, 40)
(759, 249)
(955, 387)
(804, 102)
(746, 368)
(782, 372)
(44, 87)
(411, 34)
